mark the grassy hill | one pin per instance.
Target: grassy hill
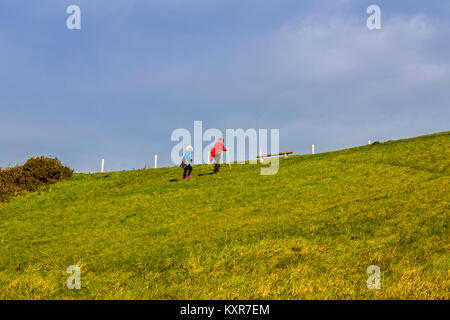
(308, 232)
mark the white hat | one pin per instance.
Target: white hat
(189, 148)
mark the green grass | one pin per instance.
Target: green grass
(308, 232)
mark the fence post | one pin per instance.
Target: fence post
(103, 165)
(312, 149)
(369, 142)
(260, 155)
(156, 161)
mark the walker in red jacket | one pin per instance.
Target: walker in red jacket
(216, 153)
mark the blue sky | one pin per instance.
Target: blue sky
(137, 70)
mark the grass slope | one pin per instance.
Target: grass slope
(308, 232)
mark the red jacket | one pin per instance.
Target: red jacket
(217, 149)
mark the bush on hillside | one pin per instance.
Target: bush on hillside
(35, 173)
(7, 186)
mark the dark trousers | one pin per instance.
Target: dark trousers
(188, 170)
(217, 159)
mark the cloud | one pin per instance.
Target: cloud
(338, 82)
(138, 71)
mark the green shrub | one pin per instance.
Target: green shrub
(35, 173)
(8, 188)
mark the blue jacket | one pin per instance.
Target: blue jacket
(188, 156)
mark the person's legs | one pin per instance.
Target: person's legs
(185, 171)
(190, 170)
(217, 159)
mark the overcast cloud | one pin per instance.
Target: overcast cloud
(136, 71)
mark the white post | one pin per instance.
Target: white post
(156, 161)
(369, 141)
(260, 155)
(103, 165)
(312, 149)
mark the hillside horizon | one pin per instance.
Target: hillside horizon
(308, 232)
